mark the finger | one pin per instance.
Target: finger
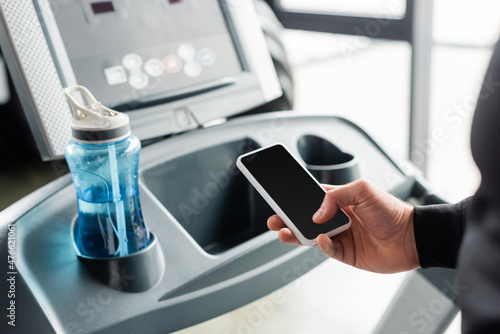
(341, 197)
(329, 187)
(286, 236)
(330, 247)
(274, 223)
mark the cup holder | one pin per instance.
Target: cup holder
(209, 197)
(143, 269)
(326, 162)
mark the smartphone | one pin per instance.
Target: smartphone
(293, 193)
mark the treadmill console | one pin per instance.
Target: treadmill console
(132, 52)
(172, 65)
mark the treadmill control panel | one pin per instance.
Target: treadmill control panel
(172, 65)
(128, 52)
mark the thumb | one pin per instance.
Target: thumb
(341, 197)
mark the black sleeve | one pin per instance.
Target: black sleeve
(438, 233)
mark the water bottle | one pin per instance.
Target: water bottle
(103, 158)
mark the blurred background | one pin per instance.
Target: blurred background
(364, 79)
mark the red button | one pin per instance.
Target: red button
(172, 64)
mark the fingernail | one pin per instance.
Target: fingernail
(319, 213)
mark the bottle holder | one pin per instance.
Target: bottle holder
(326, 162)
(135, 272)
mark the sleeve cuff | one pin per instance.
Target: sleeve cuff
(438, 233)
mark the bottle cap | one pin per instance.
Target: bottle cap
(95, 123)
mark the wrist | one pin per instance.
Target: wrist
(410, 243)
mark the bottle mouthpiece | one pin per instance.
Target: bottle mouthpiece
(92, 122)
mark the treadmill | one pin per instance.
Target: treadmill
(187, 73)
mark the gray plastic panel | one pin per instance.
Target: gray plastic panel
(98, 43)
(419, 307)
(196, 285)
(35, 76)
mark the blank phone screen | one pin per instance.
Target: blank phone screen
(292, 188)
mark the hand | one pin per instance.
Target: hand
(381, 237)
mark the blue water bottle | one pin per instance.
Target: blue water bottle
(103, 158)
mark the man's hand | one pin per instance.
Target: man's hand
(381, 237)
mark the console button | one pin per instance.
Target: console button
(206, 57)
(173, 64)
(132, 61)
(115, 75)
(192, 69)
(154, 67)
(138, 80)
(186, 51)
